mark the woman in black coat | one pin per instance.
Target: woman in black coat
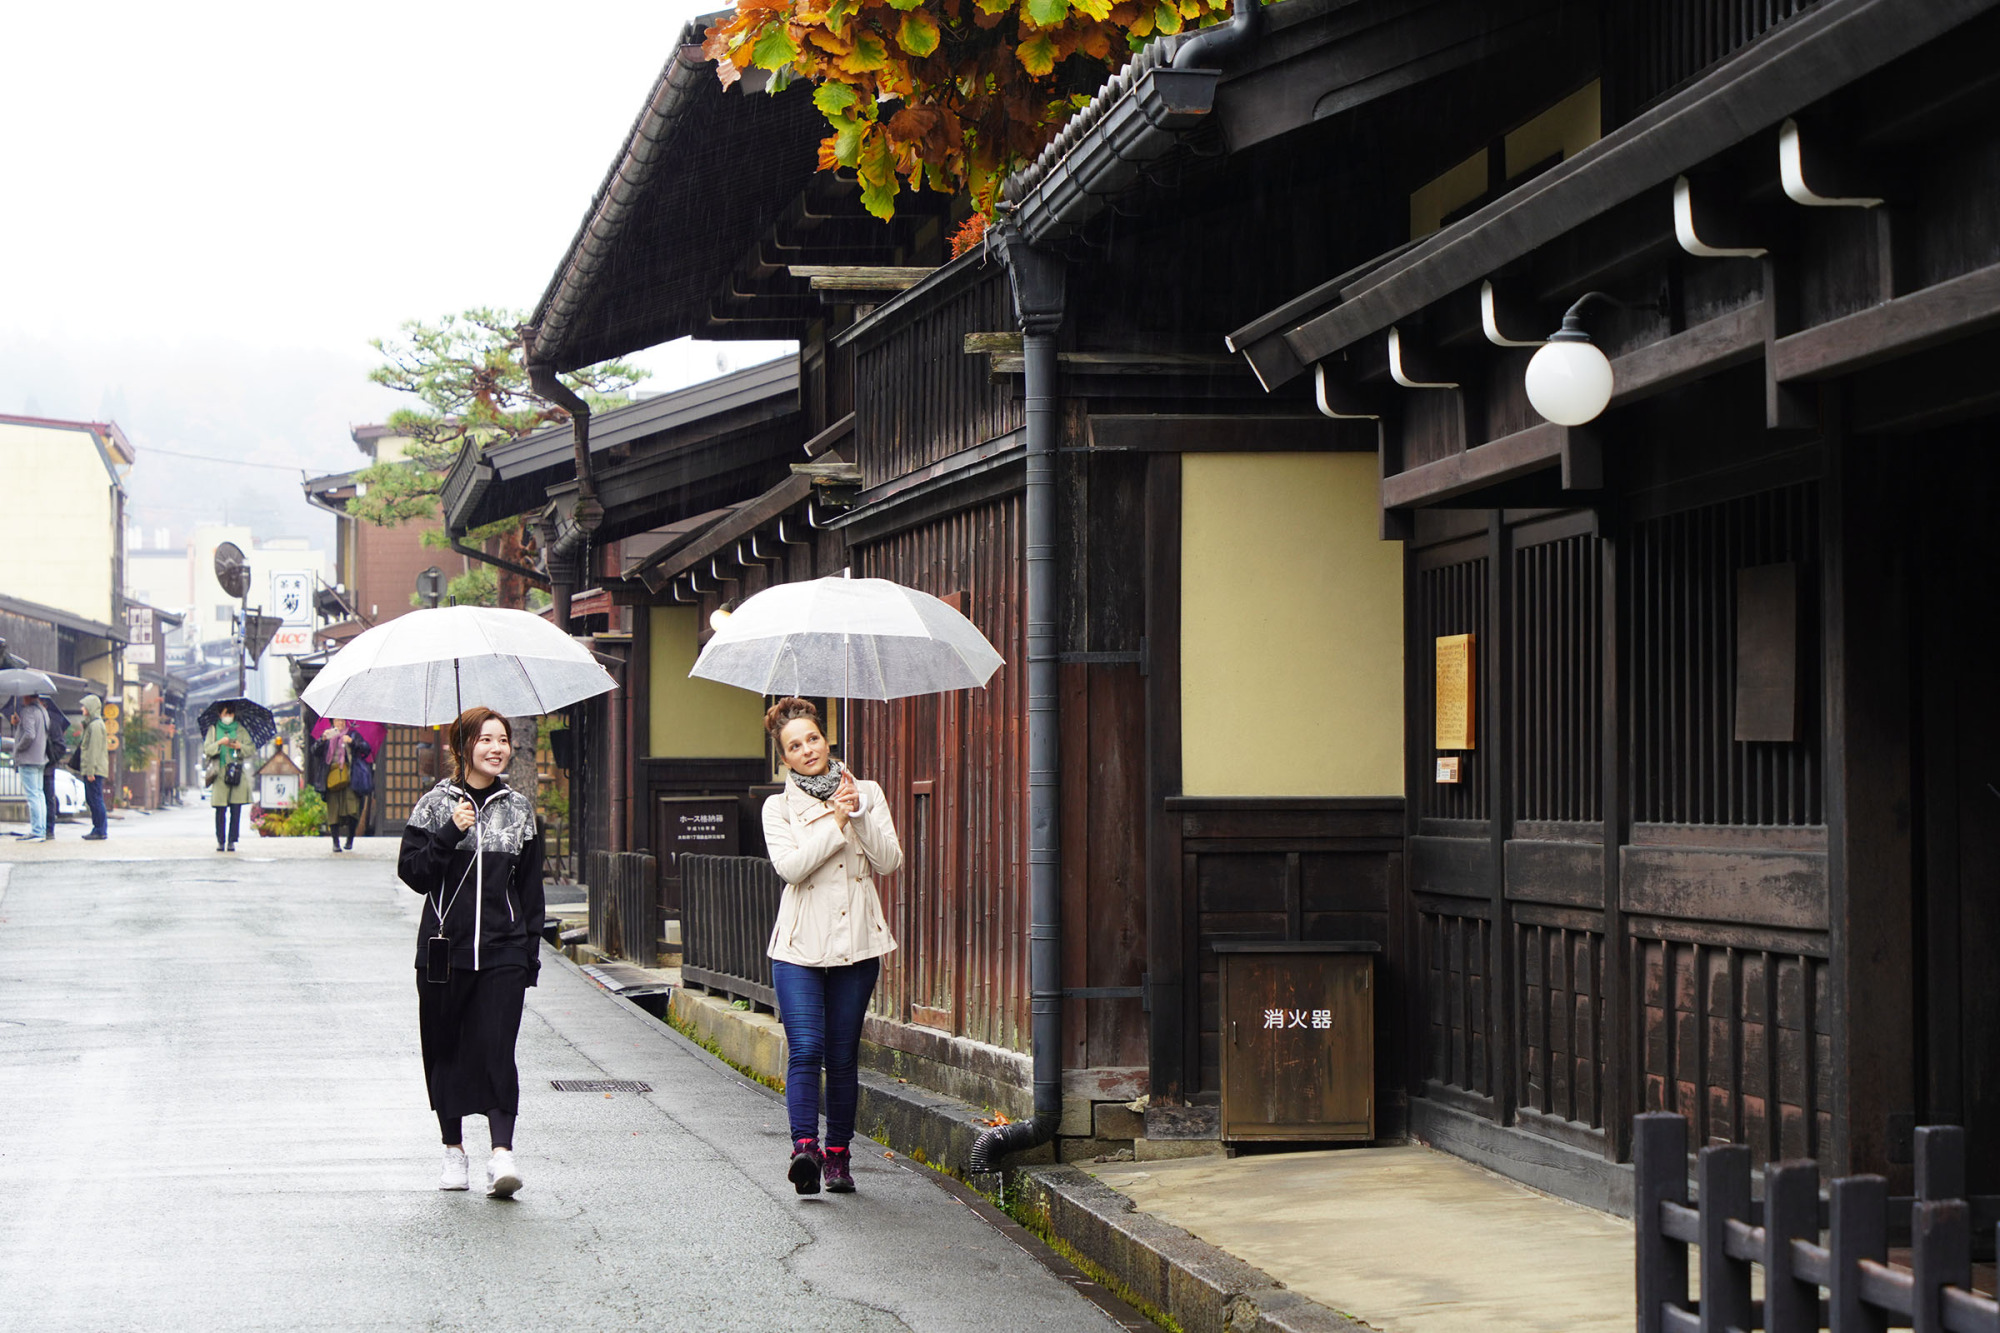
(471, 848)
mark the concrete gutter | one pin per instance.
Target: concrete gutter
(1202, 1288)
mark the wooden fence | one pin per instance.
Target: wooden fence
(1782, 1234)
(727, 906)
(623, 890)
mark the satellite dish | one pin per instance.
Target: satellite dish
(232, 570)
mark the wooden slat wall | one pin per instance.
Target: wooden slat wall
(1557, 656)
(960, 906)
(919, 397)
(1452, 600)
(1686, 766)
(1656, 46)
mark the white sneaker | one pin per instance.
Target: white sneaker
(457, 1175)
(502, 1179)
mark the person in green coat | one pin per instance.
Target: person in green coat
(227, 742)
(94, 763)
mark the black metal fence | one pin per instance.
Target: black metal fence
(727, 906)
(1781, 1234)
(623, 890)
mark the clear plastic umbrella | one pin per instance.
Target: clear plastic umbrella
(847, 639)
(427, 667)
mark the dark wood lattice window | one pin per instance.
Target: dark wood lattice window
(1557, 651)
(1452, 600)
(1687, 766)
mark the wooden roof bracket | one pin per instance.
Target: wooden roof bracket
(1402, 376)
(1489, 320)
(1338, 401)
(1684, 230)
(1792, 174)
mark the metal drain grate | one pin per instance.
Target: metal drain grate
(599, 1085)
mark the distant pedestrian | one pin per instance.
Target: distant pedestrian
(94, 764)
(31, 756)
(228, 749)
(342, 753)
(829, 834)
(57, 750)
(478, 941)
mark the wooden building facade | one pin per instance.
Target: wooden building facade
(1713, 839)
(1714, 844)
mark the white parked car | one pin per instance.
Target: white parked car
(70, 803)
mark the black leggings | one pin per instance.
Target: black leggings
(350, 823)
(229, 820)
(499, 1125)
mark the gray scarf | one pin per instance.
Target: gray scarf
(821, 786)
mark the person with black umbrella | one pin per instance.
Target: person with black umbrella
(229, 742)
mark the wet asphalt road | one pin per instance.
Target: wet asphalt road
(214, 1118)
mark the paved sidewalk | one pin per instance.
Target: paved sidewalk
(1404, 1239)
(216, 1121)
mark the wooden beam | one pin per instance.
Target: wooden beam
(858, 277)
(1131, 363)
(1954, 308)
(1504, 459)
(1188, 433)
(1727, 340)
(829, 474)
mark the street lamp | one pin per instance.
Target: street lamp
(1569, 380)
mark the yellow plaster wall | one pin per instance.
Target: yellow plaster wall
(62, 532)
(695, 719)
(1289, 595)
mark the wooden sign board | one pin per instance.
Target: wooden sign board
(1455, 656)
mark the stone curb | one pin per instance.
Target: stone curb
(1202, 1288)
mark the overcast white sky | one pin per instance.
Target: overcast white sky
(211, 207)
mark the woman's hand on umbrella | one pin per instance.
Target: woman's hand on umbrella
(463, 814)
(846, 800)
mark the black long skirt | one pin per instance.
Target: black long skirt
(469, 1027)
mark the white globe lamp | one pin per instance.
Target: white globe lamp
(1569, 379)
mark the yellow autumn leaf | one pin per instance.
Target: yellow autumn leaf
(1037, 55)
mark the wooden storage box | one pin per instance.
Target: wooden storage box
(1298, 1040)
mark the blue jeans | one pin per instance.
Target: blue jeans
(38, 804)
(93, 795)
(822, 1009)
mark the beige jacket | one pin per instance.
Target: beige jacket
(830, 914)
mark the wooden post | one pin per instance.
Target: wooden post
(1940, 1257)
(1495, 692)
(1940, 1153)
(1724, 1174)
(1620, 1020)
(1859, 1229)
(1659, 1171)
(1175, 1030)
(1791, 1212)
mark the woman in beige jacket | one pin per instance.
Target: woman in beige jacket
(829, 834)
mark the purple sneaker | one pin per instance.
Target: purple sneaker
(806, 1159)
(839, 1179)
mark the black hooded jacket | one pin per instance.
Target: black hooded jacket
(487, 880)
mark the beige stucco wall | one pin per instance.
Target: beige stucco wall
(1291, 628)
(62, 521)
(695, 719)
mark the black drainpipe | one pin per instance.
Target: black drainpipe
(1208, 48)
(1036, 277)
(565, 556)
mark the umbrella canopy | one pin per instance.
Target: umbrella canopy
(427, 667)
(252, 717)
(848, 639)
(23, 681)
